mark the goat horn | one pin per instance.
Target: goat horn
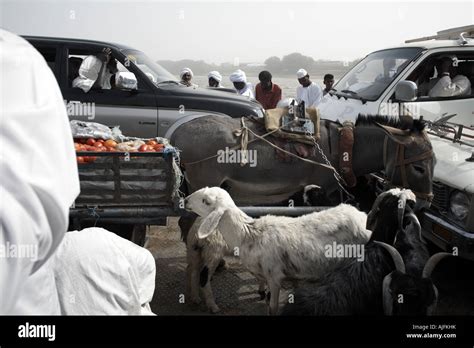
(401, 209)
(375, 208)
(397, 258)
(432, 262)
(387, 295)
(413, 218)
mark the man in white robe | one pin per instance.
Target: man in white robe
(308, 91)
(239, 80)
(448, 86)
(39, 183)
(39, 177)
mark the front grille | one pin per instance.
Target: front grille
(441, 196)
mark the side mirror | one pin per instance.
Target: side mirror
(406, 91)
(125, 80)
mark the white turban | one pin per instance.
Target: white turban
(215, 75)
(238, 76)
(185, 71)
(301, 73)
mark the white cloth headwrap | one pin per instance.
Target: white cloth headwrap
(185, 71)
(38, 171)
(215, 75)
(301, 73)
(238, 76)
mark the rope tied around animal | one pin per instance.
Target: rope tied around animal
(243, 133)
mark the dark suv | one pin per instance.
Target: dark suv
(155, 107)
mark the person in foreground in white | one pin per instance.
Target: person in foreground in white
(39, 183)
(309, 92)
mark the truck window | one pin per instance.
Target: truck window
(372, 75)
(76, 58)
(461, 76)
(49, 54)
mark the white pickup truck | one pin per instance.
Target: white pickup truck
(400, 80)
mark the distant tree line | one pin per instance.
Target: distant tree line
(288, 65)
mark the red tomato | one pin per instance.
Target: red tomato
(151, 142)
(90, 141)
(110, 143)
(100, 141)
(158, 147)
(80, 159)
(98, 144)
(145, 148)
(77, 147)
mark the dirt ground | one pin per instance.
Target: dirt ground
(235, 289)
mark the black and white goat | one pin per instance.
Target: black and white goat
(205, 255)
(278, 248)
(390, 280)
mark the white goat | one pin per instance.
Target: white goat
(277, 248)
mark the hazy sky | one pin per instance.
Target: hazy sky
(247, 31)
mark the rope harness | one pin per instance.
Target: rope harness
(347, 172)
(402, 162)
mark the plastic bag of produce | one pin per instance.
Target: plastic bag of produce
(81, 129)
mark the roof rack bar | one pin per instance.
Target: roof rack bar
(448, 34)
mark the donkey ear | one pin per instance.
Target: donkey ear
(210, 223)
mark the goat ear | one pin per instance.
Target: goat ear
(210, 223)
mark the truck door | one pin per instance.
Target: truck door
(426, 76)
(134, 111)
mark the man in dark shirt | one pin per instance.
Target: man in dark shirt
(328, 82)
(267, 93)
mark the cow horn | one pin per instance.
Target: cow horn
(397, 258)
(432, 262)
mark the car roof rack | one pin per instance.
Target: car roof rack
(459, 33)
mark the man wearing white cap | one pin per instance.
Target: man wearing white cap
(215, 79)
(186, 75)
(308, 92)
(239, 79)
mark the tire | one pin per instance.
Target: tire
(139, 235)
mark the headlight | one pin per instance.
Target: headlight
(459, 204)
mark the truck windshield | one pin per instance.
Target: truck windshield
(154, 71)
(372, 75)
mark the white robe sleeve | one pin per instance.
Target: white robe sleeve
(37, 166)
(316, 95)
(447, 87)
(88, 73)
